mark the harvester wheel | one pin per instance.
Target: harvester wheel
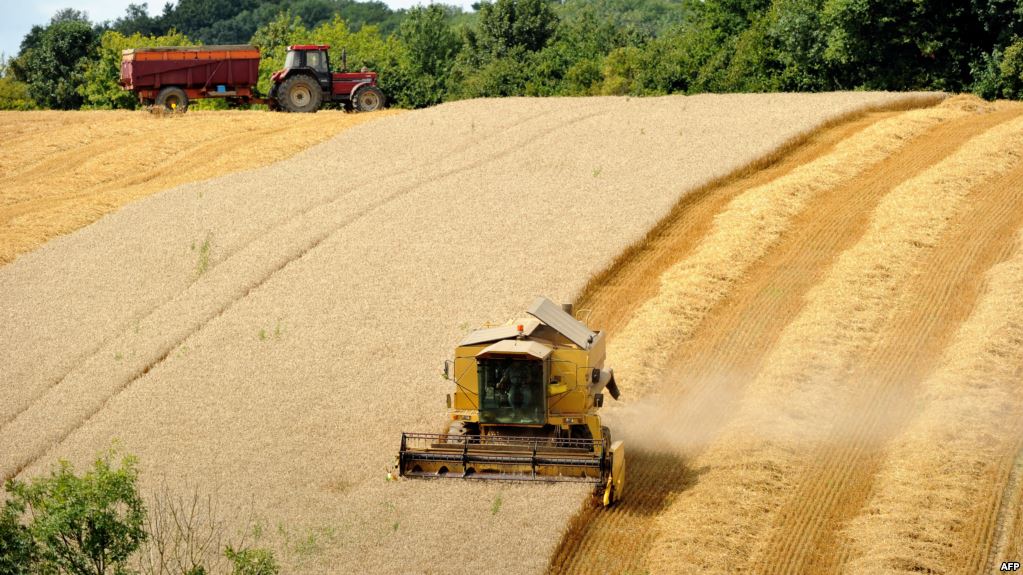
(172, 99)
(605, 432)
(368, 99)
(300, 94)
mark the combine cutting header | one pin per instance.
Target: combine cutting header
(525, 407)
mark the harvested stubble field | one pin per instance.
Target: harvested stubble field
(61, 171)
(267, 335)
(826, 360)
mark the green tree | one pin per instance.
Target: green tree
(432, 44)
(427, 52)
(136, 20)
(901, 44)
(506, 25)
(798, 43)
(367, 47)
(1011, 68)
(498, 77)
(13, 92)
(100, 75)
(84, 525)
(17, 549)
(53, 58)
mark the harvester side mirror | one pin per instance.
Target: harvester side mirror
(449, 401)
(447, 369)
(344, 59)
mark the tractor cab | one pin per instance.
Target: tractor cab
(306, 82)
(312, 59)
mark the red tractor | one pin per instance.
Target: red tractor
(171, 77)
(306, 82)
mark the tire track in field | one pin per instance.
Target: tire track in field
(60, 173)
(275, 228)
(221, 290)
(740, 344)
(653, 478)
(698, 357)
(942, 294)
(937, 502)
(803, 387)
(1008, 519)
(1008, 534)
(612, 296)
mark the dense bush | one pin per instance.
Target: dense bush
(82, 525)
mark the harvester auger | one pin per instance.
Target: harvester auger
(525, 407)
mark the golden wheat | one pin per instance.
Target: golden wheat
(272, 332)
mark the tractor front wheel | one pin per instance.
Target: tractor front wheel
(172, 99)
(300, 94)
(368, 99)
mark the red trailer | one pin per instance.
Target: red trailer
(171, 77)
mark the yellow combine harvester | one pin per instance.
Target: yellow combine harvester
(525, 407)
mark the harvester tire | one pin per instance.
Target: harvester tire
(172, 99)
(605, 432)
(368, 99)
(300, 94)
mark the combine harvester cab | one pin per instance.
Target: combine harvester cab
(525, 408)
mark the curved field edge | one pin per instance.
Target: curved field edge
(60, 171)
(804, 386)
(612, 297)
(989, 159)
(304, 343)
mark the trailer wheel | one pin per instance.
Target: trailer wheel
(300, 94)
(368, 99)
(172, 99)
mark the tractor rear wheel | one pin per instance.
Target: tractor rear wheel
(300, 94)
(172, 99)
(368, 99)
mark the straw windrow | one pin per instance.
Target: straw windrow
(800, 391)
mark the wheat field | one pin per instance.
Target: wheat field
(829, 360)
(61, 171)
(267, 335)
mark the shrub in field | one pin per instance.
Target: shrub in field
(187, 534)
(251, 561)
(84, 525)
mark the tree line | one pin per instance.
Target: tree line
(431, 54)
